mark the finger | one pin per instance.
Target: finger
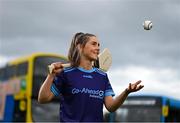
(138, 82)
(57, 65)
(133, 86)
(130, 86)
(57, 71)
(140, 87)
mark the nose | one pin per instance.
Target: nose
(98, 49)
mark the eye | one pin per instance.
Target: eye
(98, 45)
(94, 43)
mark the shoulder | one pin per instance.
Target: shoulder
(69, 69)
(66, 71)
(99, 71)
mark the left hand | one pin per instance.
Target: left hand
(134, 87)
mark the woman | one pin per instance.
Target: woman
(83, 89)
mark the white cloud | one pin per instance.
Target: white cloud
(4, 60)
(156, 81)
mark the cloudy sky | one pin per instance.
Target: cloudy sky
(28, 26)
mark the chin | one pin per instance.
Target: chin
(94, 59)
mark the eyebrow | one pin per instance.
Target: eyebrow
(96, 42)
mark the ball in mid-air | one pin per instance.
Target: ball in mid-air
(147, 25)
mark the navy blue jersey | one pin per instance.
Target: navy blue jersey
(81, 94)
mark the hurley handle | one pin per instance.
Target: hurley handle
(51, 67)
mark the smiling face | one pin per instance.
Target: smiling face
(91, 49)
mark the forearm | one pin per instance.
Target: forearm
(118, 101)
(114, 104)
(45, 94)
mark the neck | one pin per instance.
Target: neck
(86, 64)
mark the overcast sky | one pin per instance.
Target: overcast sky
(28, 26)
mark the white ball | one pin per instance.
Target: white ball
(147, 25)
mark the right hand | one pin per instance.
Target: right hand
(134, 87)
(57, 68)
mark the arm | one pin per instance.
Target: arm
(113, 104)
(45, 95)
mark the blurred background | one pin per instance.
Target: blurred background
(153, 56)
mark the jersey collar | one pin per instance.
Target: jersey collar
(87, 71)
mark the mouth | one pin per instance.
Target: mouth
(96, 53)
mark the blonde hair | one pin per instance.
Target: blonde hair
(74, 54)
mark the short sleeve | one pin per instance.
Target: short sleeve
(56, 87)
(108, 88)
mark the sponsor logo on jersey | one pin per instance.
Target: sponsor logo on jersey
(92, 93)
